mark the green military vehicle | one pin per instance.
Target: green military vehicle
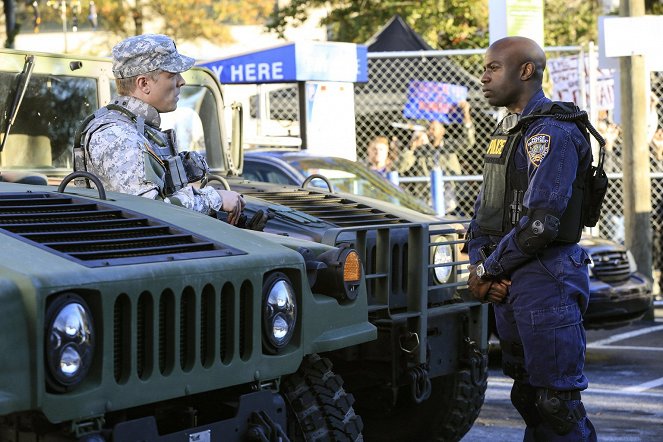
(127, 319)
(424, 377)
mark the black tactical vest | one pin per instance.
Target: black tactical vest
(504, 186)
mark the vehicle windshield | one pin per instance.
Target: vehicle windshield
(350, 177)
(53, 107)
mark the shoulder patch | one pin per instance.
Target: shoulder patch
(537, 147)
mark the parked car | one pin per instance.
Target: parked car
(293, 167)
(619, 293)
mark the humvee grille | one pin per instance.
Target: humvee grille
(397, 259)
(164, 332)
(97, 234)
(611, 265)
(329, 207)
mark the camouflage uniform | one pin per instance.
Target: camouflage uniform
(126, 150)
(127, 161)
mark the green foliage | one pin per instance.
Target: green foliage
(453, 24)
(571, 22)
(654, 7)
(180, 19)
(442, 23)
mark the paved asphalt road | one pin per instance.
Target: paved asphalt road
(625, 394)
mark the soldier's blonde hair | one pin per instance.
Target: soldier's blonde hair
(126, 86)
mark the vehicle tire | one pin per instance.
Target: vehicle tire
(448, 414)
(319, 409)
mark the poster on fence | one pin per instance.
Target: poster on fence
(433, 100)
(566, 78)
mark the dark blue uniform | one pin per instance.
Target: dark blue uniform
(540, 322)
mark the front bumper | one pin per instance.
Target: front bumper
(616, 304)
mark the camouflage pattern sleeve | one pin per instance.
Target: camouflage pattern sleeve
(116, 156)
(206, 200)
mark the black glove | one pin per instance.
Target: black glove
(195, 165)
(257, 221)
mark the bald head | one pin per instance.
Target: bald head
(513, 72)
(522, 50)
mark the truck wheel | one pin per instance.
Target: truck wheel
(446, 416)
(319, 409)
(459, 405)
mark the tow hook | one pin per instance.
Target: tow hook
(421, 385)
(477, 360)
(263, 429)
(88, 430)
(409, 343)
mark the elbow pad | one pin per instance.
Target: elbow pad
(539, 231)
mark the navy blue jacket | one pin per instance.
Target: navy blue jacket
(550, 180)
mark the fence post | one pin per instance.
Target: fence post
(437, 191)
(393, 177)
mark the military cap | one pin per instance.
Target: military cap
(146, 53)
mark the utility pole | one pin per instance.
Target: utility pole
(635, 154)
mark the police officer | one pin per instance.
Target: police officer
(123, 145)
(523, 245)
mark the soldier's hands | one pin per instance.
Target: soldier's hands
(233, 203)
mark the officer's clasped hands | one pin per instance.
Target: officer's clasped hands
(487, 290)
(498, 291)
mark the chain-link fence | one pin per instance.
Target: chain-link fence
(381, 109)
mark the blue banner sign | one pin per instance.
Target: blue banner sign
(292, 62)
(432, 100)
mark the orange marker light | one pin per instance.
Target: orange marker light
(352, 267)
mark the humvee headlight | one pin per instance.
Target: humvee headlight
(442, 254)
(279, 311)
(70, 361)
(69, 342)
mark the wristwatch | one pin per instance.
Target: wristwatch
(480, 270)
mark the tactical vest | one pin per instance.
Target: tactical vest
(162, 164)
(504, 186)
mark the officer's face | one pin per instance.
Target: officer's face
(164, 91)
(500, 79)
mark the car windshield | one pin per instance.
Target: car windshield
(350, 177)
